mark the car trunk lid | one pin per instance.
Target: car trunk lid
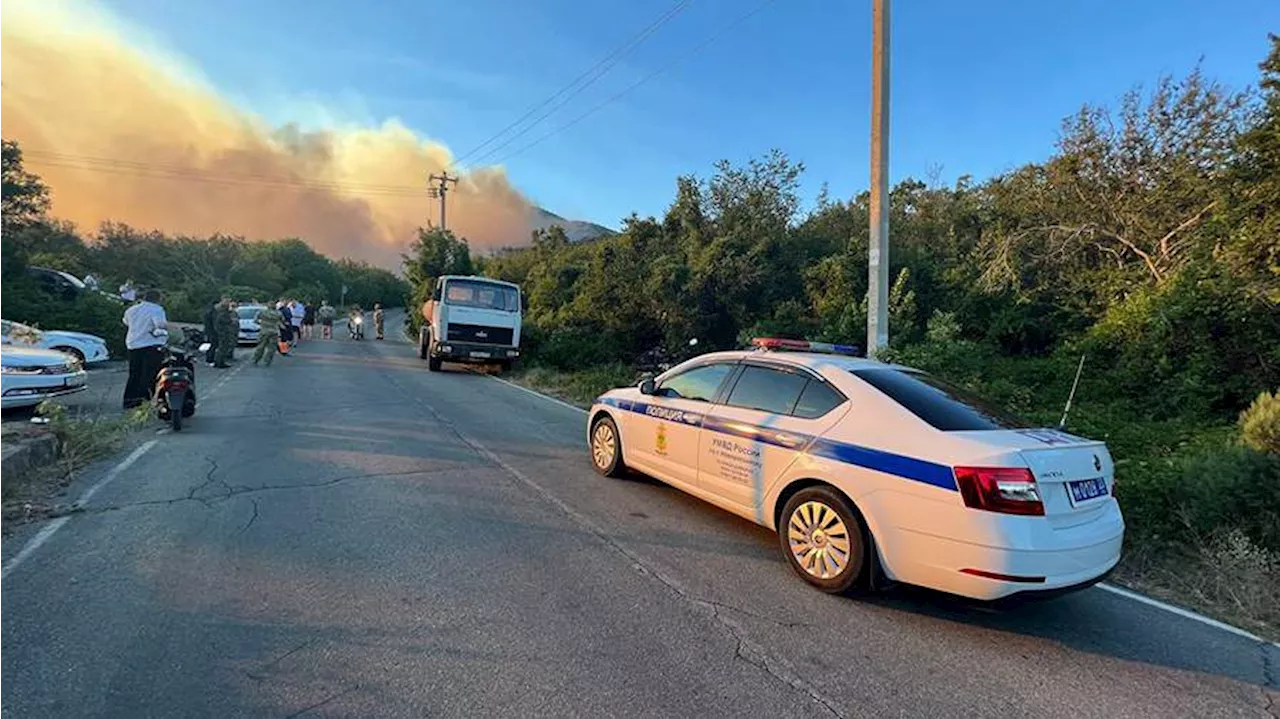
(1075, 476)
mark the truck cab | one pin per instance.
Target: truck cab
(470, 319)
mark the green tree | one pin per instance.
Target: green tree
(25, 196)
(1249, 205)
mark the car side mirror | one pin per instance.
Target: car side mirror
(648, 387)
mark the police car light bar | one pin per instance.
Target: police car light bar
(775, 343)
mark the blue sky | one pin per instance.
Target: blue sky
(978, 87)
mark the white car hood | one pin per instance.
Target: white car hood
(30, 357)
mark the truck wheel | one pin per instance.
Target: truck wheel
(433, 364)
(422, 343)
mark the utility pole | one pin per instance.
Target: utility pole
(878, 249)
(440, 190)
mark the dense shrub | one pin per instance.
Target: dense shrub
(570, 347)
(1195, 345)
(1191, 498)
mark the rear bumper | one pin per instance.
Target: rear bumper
(473, 352)
(1001, 556)
(990, 573)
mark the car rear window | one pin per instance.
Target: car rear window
(940, 403)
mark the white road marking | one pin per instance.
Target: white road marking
(1186, 613)
(1118, 591)
(41, 537)
(125, 463)
(50, 529)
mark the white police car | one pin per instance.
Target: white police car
(868, 469)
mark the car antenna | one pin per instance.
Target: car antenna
(1062, 424)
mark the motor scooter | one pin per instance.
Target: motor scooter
(175, 395)
(355, 327)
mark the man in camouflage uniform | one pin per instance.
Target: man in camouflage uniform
(269, 320)
(228, 333)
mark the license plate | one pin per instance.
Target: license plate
(75, 381)
(1083, 490)
(480, 355)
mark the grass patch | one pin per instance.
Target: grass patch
(81, 441)
(577, 388)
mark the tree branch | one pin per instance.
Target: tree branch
(1164, 241)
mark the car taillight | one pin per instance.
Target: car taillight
(1007, 490)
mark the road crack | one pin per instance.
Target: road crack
(231, 492)
(326, 700)
(275, 662)
(745, 649)
(252, 519)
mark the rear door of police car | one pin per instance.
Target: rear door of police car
(768, 417)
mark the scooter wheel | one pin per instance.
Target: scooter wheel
(175, 417)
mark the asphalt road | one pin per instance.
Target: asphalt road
(346, 534)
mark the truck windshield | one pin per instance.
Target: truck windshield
(470, 293)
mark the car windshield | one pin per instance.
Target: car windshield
(940, 403)
(75, 281)
(485, 295)
(19, 332)
(249, 313)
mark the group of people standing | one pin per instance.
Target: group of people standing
(280, 328)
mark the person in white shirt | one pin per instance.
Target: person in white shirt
(127, 291)
(91, 282)
(148, 333)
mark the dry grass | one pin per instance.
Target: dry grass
(1226, 576)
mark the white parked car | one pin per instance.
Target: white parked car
(871, 471)
(28, 376)
(248, 316)
(84, 347)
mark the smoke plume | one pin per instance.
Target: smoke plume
(127, 134)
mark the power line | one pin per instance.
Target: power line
(595, 72)
(691, 52)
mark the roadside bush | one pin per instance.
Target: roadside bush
(1201, 495)
(1260, 424)
(570, 347)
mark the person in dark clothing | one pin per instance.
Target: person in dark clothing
(211, 329)
(286, 327)
(309, 321)
(228, 323)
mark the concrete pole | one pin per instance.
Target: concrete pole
(878, 249)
